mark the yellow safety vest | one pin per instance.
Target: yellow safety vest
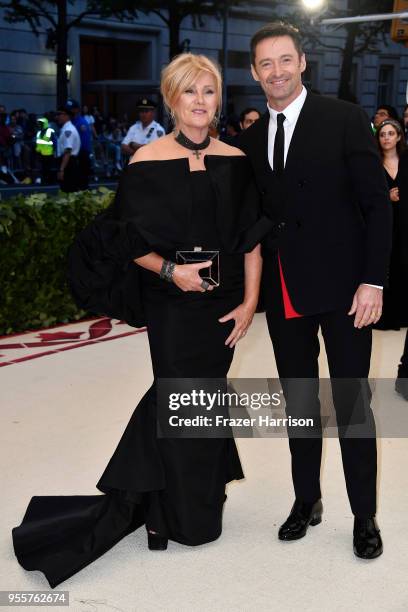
(44, 144)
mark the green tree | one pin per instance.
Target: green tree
(360, 37)
(173, 12)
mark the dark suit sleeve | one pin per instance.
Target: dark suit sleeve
(369, 184)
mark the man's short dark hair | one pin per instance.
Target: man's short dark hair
(392, 112)
(246, 112)
(273, 30)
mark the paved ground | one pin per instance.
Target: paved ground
(66, 396)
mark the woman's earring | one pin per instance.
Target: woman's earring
(215, 120)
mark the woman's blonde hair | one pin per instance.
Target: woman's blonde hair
(181, 73)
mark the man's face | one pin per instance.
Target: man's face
(278, 68)
(62, 118)
(381, 115)
(249, 119)
(146, 116)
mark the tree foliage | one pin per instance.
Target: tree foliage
(360, 37)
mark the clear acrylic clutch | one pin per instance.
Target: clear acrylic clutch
(210, 274)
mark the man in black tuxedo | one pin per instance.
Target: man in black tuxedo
(325, 263)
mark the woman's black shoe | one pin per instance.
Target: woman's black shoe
(156, 541)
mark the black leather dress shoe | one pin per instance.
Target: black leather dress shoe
(301, 516)
(401, 387)
(367, 541)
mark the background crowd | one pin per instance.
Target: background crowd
(21, 161)
(27, 158)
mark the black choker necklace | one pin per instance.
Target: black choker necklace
(192, 146)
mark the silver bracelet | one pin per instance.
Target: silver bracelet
(167, 269)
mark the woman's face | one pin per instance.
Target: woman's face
(388, 137)
(197, 105)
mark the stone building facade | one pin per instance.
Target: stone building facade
(113, 62)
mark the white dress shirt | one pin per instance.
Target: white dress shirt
(291, 113)
(68, 139)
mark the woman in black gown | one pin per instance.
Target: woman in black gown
(180, 192)
(390, 138)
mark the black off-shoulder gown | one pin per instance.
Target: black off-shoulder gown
(175, 487)
(395, 312)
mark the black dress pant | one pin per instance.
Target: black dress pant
(296, 347)
(70, 182)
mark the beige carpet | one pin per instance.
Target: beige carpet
(61, 418)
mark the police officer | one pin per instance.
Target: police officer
(44, 146)
(143, 131)
(85, 134)
(68, 147)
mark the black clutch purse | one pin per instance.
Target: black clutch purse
(210, 274)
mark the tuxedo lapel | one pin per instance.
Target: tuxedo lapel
(302, 137)
(265, 133)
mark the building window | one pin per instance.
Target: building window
(385, 88)
(103, 59)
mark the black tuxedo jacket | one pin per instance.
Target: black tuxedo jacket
(330, 210)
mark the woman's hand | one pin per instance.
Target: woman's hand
(242, 315)
(394, 194)
(187, 277)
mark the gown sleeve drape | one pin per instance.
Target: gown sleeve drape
(151, 213)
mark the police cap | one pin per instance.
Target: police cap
(145, 103)
(71, 104)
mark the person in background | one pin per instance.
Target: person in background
(99, 138)
(3, 111)
(31, 166)
(98, 119)
(17, 134)
(405, 122)
(248, 117)
(45, 148)
(90, 120)
(85, 134)
(68, 148)
(390, 138)
(6, 142)
(383, 112)
(232, 131)
(113, 139)
(145, 130)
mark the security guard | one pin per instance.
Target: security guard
(44, 146)
(69, 144)
(143, 131)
